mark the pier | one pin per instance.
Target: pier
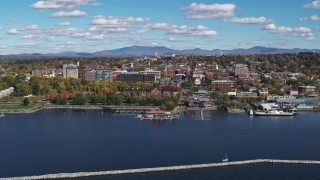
(160, 169)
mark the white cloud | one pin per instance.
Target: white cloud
(172, 39)
(181, 30)
(61, 4)
(112, 21)
(311, 18)
(249, 20)
(13, 32)
(68, 43)
(73, 32)
(66, 14)
(313, 4)
(31, 27)
(302, 32)
(98, 37)
(112, 24)
(70, 32)
(207, 11)
(64, 24)
(29, 36)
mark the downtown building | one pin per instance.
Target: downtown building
(136, 77)
(221, 84)
(70, 71)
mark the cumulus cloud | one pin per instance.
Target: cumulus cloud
(112, 21)
(29, 36)
(31, 27)
(74, 32)
(172, 39)
(64, 24)
(13, 32)
(314, 4)
(311, 18)
(61, 4)
(98, 37)
(66, 14)
(181, 30)
(112, 24)
(207, 11)
(302, 32)
(70, 32)
(249, 20)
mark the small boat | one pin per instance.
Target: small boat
(251, 112)
(225, 159)
(2, 115)
(138, 116)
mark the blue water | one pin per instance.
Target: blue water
(55, 141)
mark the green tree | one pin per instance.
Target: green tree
(22, 89)
(60, 100)
(79, 100)
(26, 101)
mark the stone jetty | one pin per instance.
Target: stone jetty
(160, 169)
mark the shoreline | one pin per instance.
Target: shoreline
(101, 107)
(175, 110)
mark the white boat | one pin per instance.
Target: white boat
(2, 115)
(138, 116)
(273, 112)
(225, 159)
(251, 112)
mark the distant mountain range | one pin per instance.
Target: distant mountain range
(143, 51)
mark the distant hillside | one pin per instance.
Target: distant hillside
(142, 51)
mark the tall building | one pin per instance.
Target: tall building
(70, 71)
(104, 74)
(241, 70)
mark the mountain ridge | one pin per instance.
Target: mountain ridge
(142, 51)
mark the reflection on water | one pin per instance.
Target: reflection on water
(65, 140)
(199, 114)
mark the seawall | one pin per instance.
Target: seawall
(159, 169)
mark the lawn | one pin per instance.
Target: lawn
(10, 107)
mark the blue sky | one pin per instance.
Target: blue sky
(50, 26)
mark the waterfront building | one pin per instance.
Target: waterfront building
(307, 90)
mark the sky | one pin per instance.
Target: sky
(51, 26)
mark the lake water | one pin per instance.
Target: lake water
(55, 141)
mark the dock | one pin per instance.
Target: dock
(163, 169)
